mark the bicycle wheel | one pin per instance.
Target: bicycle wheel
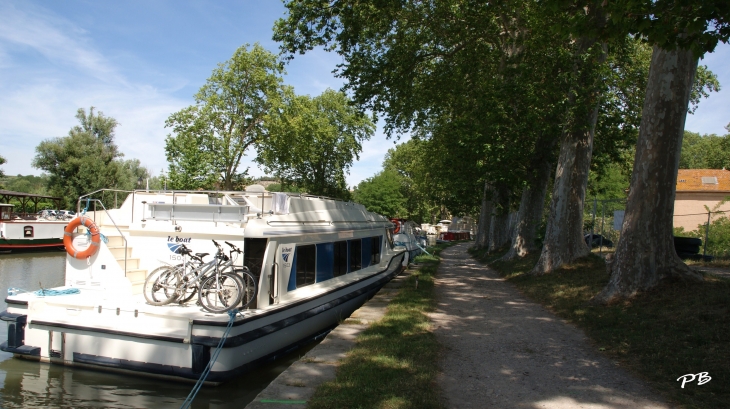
(189, 290)
(159, 287)
(184, 292)
(248, 282)
(220, 293)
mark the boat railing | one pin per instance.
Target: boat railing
(215, 210)
(102, 191)
(197, 212)
(95, 201)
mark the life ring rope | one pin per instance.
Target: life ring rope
(93, 230)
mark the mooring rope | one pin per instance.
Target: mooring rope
(191, 396)
(422, 249)
(88, 232)
(44, 292)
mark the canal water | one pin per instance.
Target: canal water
(28, 384)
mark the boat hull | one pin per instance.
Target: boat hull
(185, 350)
(28, 235)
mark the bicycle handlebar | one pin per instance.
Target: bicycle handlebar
(233, 247)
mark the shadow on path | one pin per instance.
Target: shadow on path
(501, 350)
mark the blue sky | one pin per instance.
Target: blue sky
(140, 61)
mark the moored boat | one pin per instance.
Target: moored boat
(409, 235)
(315, 260)
(27, 233)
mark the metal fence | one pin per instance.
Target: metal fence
(603, 220)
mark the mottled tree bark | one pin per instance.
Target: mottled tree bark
(485, 217)
(530, 213)
(564, 240)
(645, 254)
(500, 234)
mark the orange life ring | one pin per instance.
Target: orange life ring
(68, 237)
(397, 225)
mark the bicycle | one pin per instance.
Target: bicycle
(218, 284)
(247, 279)
(217, 291)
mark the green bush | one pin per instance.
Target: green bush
(718, 238)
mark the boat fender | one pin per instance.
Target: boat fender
(68, 238)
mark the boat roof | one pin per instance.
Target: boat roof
(9, 193)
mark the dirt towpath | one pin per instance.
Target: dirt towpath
(502, 351)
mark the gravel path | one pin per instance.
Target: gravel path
(502, 351)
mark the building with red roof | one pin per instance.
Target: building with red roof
(697, 190)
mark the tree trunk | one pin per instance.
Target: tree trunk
(530, 213)
(485, 218)
(645, 254)
(500, 234)
(564, 240)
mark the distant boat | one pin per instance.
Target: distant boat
(29, 232)
(409, 234)
(459, 228)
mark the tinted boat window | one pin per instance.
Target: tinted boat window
(355, 255)
(325, 261)
(304, 263)
(340, 267)
(253, 255)
(375, 247)
(366, 252)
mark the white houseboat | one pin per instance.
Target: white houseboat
(408, 234)
(315, 261)
(29, 232)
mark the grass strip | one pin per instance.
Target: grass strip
(660, 335)
(394, 364)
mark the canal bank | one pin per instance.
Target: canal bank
(293, 387)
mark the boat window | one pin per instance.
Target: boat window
(366, 252)
(253, 255)
(340, 267)
(325, 261)
(375, 247)
(304, 264)
(355, 255)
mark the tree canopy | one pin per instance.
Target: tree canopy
(210, 138)
(84, 161)
(382, 194)
(705, 151)
(311, 142)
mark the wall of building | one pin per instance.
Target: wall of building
(690, 211)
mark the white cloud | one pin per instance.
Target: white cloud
(39, 98)
(56, 39)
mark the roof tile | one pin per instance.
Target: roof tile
(690, 180)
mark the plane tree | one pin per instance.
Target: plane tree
(415, 164)
(312, 141)
(210, 138)
(382, 194)
(680, 32)
(413, 62)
